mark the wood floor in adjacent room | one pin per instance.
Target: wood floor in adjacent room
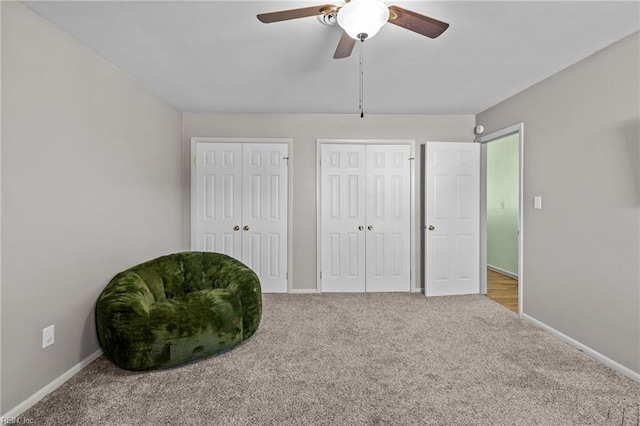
(503, 290)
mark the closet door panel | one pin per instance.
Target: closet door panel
(264, 213)
(388, 217)
(343, 217)
(218, 184)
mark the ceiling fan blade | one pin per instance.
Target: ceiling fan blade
(345, 46)
(285, 15)
(415, 22)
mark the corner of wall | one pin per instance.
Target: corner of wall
(117, 170)
(186, 187)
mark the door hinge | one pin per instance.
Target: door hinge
(286, 275)
(320, 274)
(195, 163)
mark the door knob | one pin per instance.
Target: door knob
(236, 228)
(431, 227)
(360, 228)
(370, 227)
(246, 227)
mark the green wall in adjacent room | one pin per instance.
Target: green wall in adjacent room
(502, 204)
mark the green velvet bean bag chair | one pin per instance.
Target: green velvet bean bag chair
(176, 309)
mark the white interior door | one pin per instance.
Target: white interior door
(264, 213)
(388, 217)
(343, 217)
(218, 185)
(241, 205)
(452, 237)
(365, 217)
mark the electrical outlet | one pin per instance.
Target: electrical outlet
(48, 336)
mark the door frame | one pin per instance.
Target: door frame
(484, 140)
(192, 162)
(412, 202)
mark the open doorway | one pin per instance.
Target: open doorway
(501, 217)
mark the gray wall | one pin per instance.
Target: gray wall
(91, 184)
(582, 155)
(304, 130)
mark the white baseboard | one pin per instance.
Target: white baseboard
(503, 272)
(33, 399)
(583, 348)
(304, 291)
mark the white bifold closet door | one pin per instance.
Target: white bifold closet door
(365, 220)
(241, 206)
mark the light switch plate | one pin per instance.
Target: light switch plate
(537, 202)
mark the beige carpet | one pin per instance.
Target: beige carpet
(388, 359)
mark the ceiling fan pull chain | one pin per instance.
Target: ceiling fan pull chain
(361, 78)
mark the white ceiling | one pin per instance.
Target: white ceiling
(215, 56)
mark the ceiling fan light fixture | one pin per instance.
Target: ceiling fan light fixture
(362, 19)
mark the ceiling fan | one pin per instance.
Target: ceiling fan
(360, 20)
